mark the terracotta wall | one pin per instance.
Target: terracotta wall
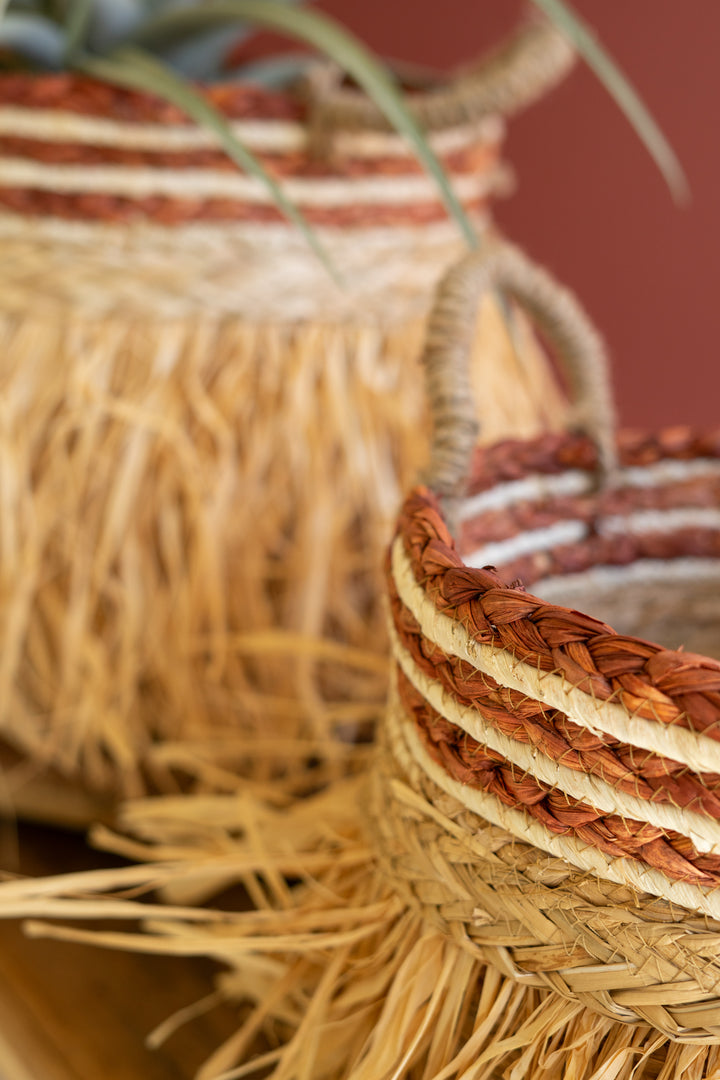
(590, 204)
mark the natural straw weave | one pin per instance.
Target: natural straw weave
(201, 438)
(527, 886)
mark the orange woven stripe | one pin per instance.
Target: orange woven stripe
(473, 764)
(80, 94)
(630, 769)
(658, 684)
(162, 210)
(555, 452)
(477, 158)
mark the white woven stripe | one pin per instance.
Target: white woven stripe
(703, 831)
(259, 271)
(643, 522)
(697, 751)
(270, 136)
(527, 543)
(538, 487)
(408, 747)
(644, 571)
(141, 182)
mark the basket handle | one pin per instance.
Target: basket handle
(531, 62)
(448, 342)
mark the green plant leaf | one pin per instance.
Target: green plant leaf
(621, 89)
(330, 39)
(140, 71)
(275, 71)
(77, 24)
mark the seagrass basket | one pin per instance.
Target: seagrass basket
(194, 415)
(526, 885)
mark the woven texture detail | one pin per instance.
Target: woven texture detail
(572, 770)
(626, 955)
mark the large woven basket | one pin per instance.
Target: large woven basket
(529, 886)
(201, 440)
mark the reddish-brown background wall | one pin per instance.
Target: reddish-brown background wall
(590, 204)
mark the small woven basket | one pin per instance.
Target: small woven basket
(193, 415)
(570, 771)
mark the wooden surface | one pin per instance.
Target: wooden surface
(70, 1012)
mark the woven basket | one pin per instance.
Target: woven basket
(201, 444)
(569, 772)
(529, 886)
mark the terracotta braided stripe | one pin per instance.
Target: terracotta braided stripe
(577, 555)
(89, 97)
(556, 452)
(161, 210)
(538, 511)
(202, 183)
(475, 158)
(627, 955)
(639, 681)
(408, 747)
(651, 780)
(471, 763)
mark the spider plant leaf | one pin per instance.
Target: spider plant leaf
(330, 39)
(275, 71)
(34, 37)
(76, 26)
(202, 56)
(621, 89)
(140, 71)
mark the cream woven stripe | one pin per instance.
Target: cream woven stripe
(611, 718)
(263, 272)
(643, 571)
(142, 182)
(703, 831)
(577, 482)
(271, 136)
(408, 748)
(571, 531)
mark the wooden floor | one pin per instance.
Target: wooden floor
(70, 1012)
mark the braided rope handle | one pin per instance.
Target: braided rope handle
(534, 59)
(449, 338)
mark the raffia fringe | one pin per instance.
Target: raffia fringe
(171, 490)
(342, 977)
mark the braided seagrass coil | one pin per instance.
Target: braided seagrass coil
(567, 774)
(201, 452)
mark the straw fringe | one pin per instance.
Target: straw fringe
(155, 512)
(345, 981)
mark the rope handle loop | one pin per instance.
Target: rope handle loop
(450, 333)
(531, 62)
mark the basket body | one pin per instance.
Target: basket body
(573, 769)
(201, 435)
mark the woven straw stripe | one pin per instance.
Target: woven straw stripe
(259, 272)
(537, 487)
(201, 183)
(626, 955)
(699, 752)
(276, 136)
(640, 773)
(642, 523)
(643, 571)
(519, 824)
(702, 830)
